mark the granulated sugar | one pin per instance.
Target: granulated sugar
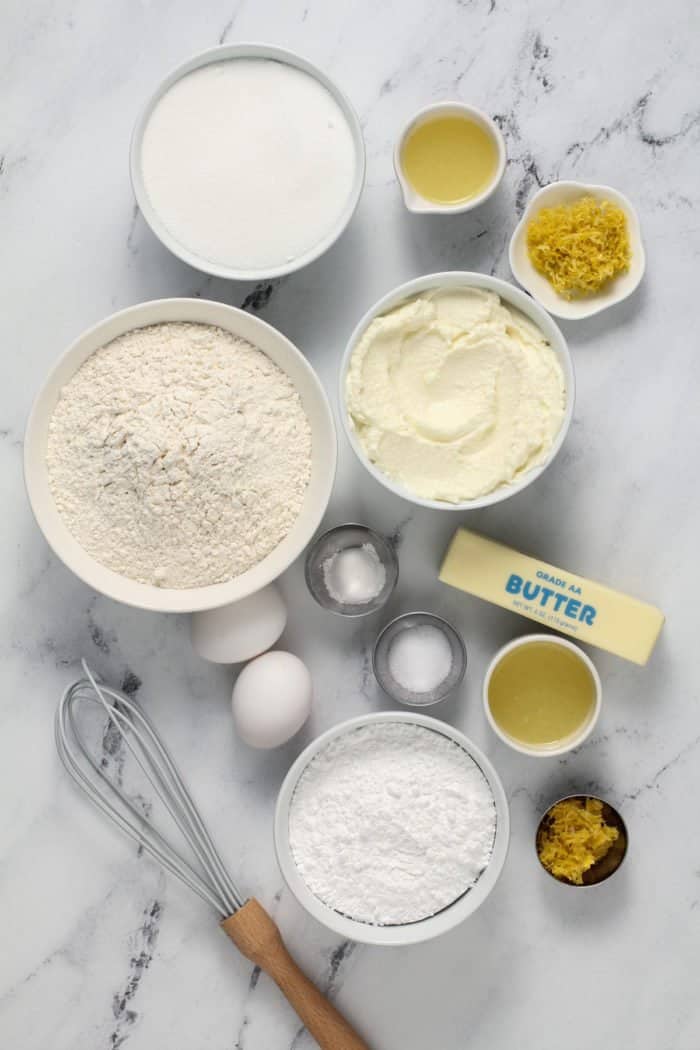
(391, 823)
(248, 163)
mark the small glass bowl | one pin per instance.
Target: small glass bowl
(607, 865)
(341, 538)
(380, 659)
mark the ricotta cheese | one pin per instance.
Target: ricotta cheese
(454, 394)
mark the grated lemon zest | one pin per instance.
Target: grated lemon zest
(579, 246)
(574, 837)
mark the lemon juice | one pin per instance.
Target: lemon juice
(541, 693)
(449, 159)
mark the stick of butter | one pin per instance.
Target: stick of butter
(559, 599)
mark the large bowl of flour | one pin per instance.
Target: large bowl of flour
(391, 828)
(180, 455)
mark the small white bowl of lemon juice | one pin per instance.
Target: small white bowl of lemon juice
(542, 695)
(449, 158)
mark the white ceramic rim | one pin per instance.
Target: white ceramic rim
(324, 453)
(575, 740)
(222, 53)
(530, 279)
(411, 933)
(511, 295)
(425, 206)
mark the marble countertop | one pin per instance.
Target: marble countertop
(100, 950)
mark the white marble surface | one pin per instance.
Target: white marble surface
(99, 950)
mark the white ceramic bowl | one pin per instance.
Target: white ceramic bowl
(576, 739)
(409, 933)
(413, 200)
(221, 54)
(284, 354)
(509, 294)
(537, 284)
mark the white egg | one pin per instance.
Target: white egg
(271, 699)
(240, 631)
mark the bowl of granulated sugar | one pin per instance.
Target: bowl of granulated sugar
(248, 162)
(391, 828)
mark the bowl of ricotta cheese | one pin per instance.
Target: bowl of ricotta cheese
(456, 390)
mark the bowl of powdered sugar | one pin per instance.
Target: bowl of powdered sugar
(391, 828)
(180, 455)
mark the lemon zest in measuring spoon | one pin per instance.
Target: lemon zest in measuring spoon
(574, 837)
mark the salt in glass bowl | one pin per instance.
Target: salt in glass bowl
(381, 667)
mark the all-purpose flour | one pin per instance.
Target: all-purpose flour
(391, 822)
(179, 455)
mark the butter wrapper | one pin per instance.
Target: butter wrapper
(562, 600)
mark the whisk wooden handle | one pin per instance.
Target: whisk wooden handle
(256, 936)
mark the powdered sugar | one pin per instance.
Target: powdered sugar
(391, 823)
(179, 455)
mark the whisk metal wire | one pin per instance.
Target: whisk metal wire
(212, 883)
(245, 921)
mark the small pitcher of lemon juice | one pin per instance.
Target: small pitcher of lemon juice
(450, 158)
